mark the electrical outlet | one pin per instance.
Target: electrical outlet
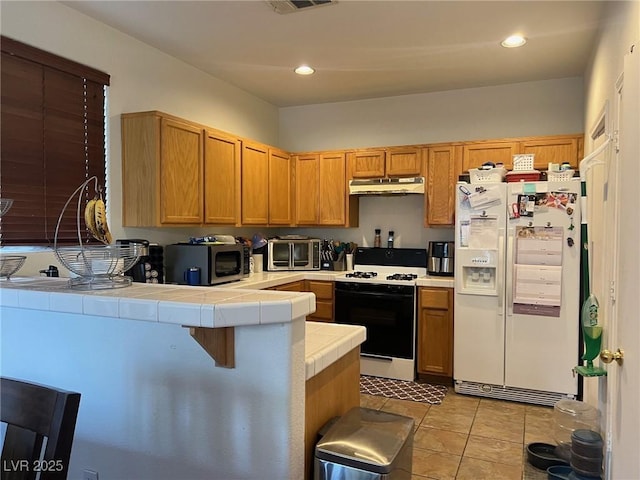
(89, 475)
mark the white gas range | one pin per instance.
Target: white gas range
(380, 294)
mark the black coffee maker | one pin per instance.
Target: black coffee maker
(149, 268)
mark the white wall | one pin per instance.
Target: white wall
(153, 406)
(534, 108)
(142, 78)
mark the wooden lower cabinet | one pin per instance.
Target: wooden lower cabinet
(435, 332)
(331, 393)
(324, 300)
(298, 286)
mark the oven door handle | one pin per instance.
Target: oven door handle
(378, 357)
(385, 296)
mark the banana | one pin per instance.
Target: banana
(90, 216)
(102, 228)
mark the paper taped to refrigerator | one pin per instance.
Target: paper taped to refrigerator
(483, 232)
(538, 285)
(539, 245)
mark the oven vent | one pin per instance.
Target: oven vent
(289, 6)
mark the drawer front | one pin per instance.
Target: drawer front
(434, 298)
(323, 290)
(323, 313)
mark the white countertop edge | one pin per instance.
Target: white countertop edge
(325, 343)
(210, 307)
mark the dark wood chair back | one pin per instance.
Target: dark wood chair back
(32, 413)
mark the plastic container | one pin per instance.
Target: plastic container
(571, 415)
(562, 176)
(481, 175)
(530, 176)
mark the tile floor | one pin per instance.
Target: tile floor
(471, 438)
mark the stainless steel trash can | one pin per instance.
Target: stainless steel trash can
(366, 444)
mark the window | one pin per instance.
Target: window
(52, 140)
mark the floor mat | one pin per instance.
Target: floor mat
(403, 390)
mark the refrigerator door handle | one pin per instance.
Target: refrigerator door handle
(500, 272)
(509, 263)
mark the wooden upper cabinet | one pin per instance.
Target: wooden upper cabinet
(440, 184)
(221, 178)
(403, 162)
(321, 190)
(255, 183)
(181, 183)
(307, 184)
(162, 170)
(387, 162)
(280, 191)
(333, 195)
(474, 154)
(558, 149)
(367, 163)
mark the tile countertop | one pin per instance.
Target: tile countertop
(272, 279)
(183, 305)
(195, 307)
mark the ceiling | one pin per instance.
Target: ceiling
(362, 49)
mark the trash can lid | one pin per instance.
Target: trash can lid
(366, 439)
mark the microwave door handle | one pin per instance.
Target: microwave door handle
(291, 257)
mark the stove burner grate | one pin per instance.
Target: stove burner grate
(402, 276)
(361, 275)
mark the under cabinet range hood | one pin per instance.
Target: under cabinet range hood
(386, 186)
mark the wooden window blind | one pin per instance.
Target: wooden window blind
(52, 139)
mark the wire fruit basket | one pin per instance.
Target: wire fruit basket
(96, 266)
(10, 264)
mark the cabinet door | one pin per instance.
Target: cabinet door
(221, 179)
(439, 198)
(290, 287)
(475, 154)
(324, 300)
(181, 160)
(255, 184)
(367, 163)
(552, 150)
(280, 191)
(403, 162)
(435, 331)
(307, 181)
(333, 189)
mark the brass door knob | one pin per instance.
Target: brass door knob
(607, 356)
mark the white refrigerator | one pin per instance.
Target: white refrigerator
(517, 284)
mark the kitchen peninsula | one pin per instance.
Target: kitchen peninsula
(153, 404)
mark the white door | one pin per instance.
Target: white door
(622, 385)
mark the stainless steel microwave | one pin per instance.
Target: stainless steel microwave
(213, 263)
(293, 254)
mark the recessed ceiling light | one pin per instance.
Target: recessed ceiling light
(304, 70)
(513, 41)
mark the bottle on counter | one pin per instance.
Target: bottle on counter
(377, 240)
(390, 239)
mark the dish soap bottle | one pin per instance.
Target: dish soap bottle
(390, 240)
(376, 240)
